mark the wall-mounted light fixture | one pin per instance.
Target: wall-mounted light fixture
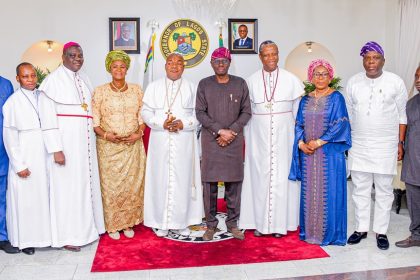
(49, 43)
(309, 45)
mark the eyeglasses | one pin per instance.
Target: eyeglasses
(223, 61)
(323, 75)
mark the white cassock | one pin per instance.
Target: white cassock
(28, 209)
(270, 202)
(75, 196)
(376, 109)
(173, 196)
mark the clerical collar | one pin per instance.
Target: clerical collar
(266, 73)
(27, 91)
(72, 73)
(173, 83)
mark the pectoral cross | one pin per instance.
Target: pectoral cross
(168, 112)
(84, 106)
(269, 105)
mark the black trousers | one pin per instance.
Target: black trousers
(233, 201)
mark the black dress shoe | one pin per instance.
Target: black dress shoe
(277, 235)
(382, 241)
(8, 248)
(257, 233)
(29, 250)
(356, 237)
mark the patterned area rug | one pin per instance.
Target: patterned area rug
(147, 251)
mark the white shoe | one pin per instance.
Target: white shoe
(129, 233)
(162, 232)
(184, 232)
(114, 235)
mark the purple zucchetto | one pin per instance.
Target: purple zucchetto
(68, 45)
(371, 47)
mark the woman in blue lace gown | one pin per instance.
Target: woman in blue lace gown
(322, 135)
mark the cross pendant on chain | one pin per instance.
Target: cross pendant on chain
(84, 106)
(269, 105)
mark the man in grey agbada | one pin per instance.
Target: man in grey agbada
(223, 108)
(411, 166)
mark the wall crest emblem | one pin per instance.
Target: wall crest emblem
(186, 37)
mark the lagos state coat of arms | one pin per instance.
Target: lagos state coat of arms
(186, 37)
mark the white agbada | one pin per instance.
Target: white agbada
(376, 108)
(173, 196)
(75, 196)
(28, 210)
(270, 202)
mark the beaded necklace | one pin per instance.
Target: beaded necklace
(265, 86)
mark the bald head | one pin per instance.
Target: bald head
(175, 55)
(23, 64)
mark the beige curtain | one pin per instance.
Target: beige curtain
(408, 41)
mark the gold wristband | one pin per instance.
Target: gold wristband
(105, 135)
(318, 142)
(300, 143)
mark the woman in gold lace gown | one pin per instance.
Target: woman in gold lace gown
(119, 129)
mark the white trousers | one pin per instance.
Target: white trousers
(384, 197)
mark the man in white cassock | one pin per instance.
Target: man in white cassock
(173, 196)
(376, 102)
(28, 211)
(66, 121)
(270, 202)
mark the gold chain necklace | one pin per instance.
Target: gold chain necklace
(118, 89)
(169, 112)
(79, 89)
(321, 93)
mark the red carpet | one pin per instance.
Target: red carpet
(146, 251)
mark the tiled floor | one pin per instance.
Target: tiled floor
(402, 273)
(57, 264)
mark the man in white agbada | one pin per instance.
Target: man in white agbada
(173, 196)
(28, 211)
(376, 103)
(270, 202)
(66, 121)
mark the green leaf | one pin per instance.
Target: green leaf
(41, 75)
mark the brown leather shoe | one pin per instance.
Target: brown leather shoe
(208, 235)
(408, 242)
(236, 233)
(72, 248)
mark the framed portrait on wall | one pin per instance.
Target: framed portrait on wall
(243, 35)
(124, 34)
